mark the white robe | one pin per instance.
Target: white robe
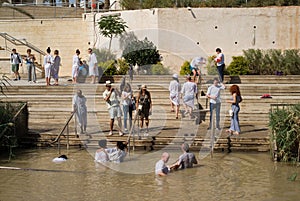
(188, 90)
(174, 89)
(92, 62)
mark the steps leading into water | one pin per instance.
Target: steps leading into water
(49, 108)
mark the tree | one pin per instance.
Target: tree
(142, 53)
(111, 26)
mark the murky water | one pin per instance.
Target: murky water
(234, 176)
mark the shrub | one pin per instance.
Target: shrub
(109, 68)
(268, 62)
(238, 66)
(123, 67)
(211, 66)
(143, 53)
(104, 55)
(185, 68)
(159, 69)
(285, 126)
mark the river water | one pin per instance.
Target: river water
(234, 176)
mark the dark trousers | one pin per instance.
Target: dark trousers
(221, 72)
(216, 107)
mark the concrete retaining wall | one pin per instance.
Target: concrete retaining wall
(179, 34)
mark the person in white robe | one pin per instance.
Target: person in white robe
(80, 109)
(189, 91)
(175, 89)
(93, 68)
(75, 66)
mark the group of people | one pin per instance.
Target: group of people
(189, 91)
(80, 68)
(142, 103)
(186, 160)
(115, 154)
(17, 60)
(52, 64)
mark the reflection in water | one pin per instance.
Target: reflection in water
(235, 176)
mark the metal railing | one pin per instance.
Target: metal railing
(22, 42)
(66, 127)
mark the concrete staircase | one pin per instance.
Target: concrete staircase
(50, 107)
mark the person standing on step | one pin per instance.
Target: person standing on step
(189, 91)
(113, 104)
(75, 66)
(214, 95)
(48, 62)
(80, 109)
(16, 61)
(93, 68)
(144, 105)
(175, 89)
(220, 61)
(56, 65)
(235, 107)
(127, 105)
(29, 59)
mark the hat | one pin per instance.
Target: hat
(102, 143)
(175, 76)
(144, 86)
(107, 83)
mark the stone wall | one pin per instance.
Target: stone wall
(65, 35)
(180, 34)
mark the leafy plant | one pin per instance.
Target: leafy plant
(111, 26)
(285, 126)
(238, 66)
(141, 52)
(109, 67)
(159, 69)
(185, 68)
(104, 55)
(211, 66)
(123, 67)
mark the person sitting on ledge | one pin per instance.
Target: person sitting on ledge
(186, 160)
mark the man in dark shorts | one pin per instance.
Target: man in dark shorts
(15, 60)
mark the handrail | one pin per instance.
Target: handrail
(64, 128)
(23, 42)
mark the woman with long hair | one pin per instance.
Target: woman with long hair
(144, 106)
(56, 65)
(127, 105)
(234, 101)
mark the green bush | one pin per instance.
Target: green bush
(123, 67)
(268, 62)
(159, 69)
(285, 126)
(109, 68)
(211, 66)
(185, 68)
(143, 53)
(238, 66)
(104, 55)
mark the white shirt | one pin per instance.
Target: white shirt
(48, 60)
(15, 58)
(113, 100)
(92, 60)
(215, 91)
(220, 57)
